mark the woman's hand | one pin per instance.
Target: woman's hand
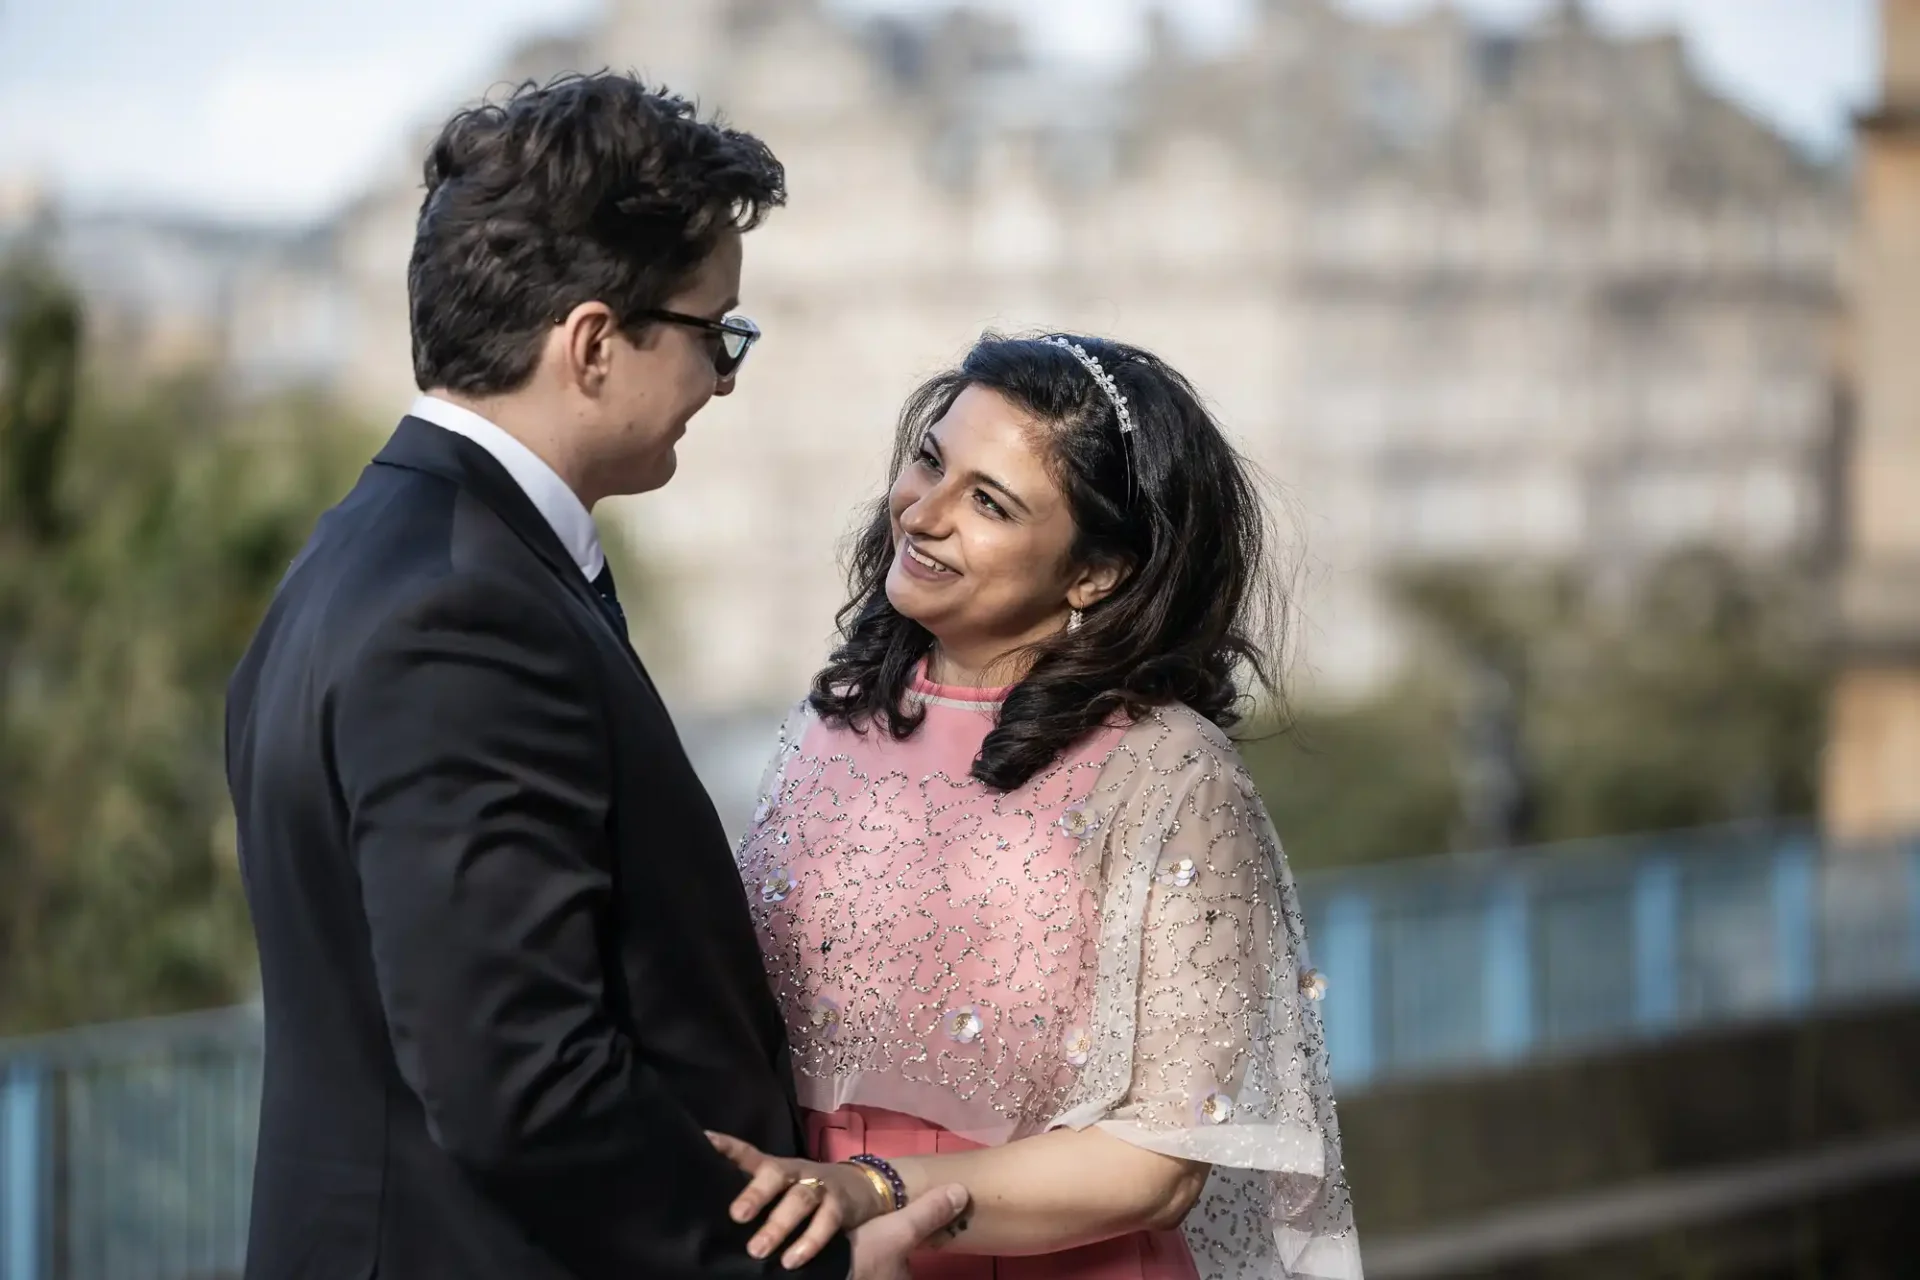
(836, 1197)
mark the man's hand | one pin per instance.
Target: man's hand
(825, 1198)
(881, 1247)
(829, 1198)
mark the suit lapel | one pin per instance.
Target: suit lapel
(419, 445)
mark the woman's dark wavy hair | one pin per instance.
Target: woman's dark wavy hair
(1198, 611)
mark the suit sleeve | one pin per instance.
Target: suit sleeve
(473, 755)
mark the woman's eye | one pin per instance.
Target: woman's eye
(928, 460)
(987, 501)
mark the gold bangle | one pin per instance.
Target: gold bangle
(880, 1185)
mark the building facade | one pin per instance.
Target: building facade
(1533, 295)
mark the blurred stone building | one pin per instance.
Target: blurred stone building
(1873, 758)
(1461, 294)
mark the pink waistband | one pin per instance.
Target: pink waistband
(879, 1132)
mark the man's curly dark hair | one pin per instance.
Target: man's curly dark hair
(586, 188)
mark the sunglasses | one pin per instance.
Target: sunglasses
(736, 334)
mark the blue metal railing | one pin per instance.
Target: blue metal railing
(1475, 962)
(126, 1150)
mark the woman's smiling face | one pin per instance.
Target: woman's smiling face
(982, 534)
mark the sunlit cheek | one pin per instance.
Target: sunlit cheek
(1030, 574)
(1006, 578)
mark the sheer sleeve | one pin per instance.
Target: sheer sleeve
(1208, 1018)
(773, 776)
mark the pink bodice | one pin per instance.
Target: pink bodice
(930, 941)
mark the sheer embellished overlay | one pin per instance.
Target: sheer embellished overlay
(1115, 943)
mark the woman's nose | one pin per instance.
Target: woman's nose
(924, 516)
(918, 517)
(930, 509)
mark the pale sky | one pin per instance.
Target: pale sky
(276, 110)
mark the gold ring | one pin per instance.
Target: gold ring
(811, 1182)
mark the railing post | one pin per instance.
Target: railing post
(20, 1170)
(1507, 969)
(1795, 955)
(1656, 936)
(1347, 946)
(1913, 907)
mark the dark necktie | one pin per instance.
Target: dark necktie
(610, 604)
(610, 599)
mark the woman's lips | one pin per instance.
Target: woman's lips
(921, 565)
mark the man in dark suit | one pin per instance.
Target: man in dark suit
(508, 971)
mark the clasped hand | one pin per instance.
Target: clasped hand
(830, 1198)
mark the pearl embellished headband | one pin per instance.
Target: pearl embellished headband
(1100, 376)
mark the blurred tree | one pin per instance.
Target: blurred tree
(140, 541)
(1360, 783)
(1696, 699)
(1546, 705)
(42, 360)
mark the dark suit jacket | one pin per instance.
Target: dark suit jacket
(508, 970)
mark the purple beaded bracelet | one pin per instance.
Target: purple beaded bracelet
(895, 1182)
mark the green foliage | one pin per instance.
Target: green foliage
(42, 346)
(1688, 695)
(1362, 783)
(140, 543)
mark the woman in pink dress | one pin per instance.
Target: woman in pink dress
(1027, 920)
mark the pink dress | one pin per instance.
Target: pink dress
(930, 922)
(1114, 943)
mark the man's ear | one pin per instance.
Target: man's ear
(586, 344)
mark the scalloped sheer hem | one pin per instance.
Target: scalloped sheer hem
(1271, 1148)
(1306, 1257)
(1313, 1241)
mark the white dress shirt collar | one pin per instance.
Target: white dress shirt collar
(550, 495)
